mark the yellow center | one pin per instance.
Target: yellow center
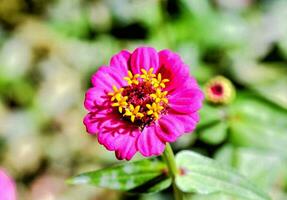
(150, 100)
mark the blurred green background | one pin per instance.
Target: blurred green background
(49, 50)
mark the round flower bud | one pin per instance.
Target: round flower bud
(219, 90)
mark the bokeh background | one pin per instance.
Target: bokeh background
(49, 50)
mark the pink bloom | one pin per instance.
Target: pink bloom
(141, 101)
(7, 187)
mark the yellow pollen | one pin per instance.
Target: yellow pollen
(117, 93)
(121, 103)
(132, 79)
(159, 96)
(154, 110)
(158, 82)
(133, 112)
(141, 111)
(147, 75)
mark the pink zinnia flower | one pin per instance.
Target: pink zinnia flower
(141, 101)
(7, 187)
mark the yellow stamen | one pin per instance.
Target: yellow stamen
(133, 112)
(154, 110)
(159, 96)
(158, 82)
(132, 79)
(117, 93)
(147, 75)
(130, 109)
(121, 103)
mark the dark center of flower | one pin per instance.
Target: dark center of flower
(143, 100)
(217, 89)
(139, 94)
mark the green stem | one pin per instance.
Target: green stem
(168, 156)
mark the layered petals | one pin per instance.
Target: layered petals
(173, 68)
(186, 101)
(126, 146)
(149, 143)
(144, 58)
(176, 124)
(95, 97)
(106, 77)
(120, 61)
(159, 118)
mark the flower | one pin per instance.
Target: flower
(141, 101)
(7, 187)
(219, 90)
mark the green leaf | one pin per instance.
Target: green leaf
(205, 176)
(212, 114)
(215, 196)
(269, 169)
(214, 134)
(226, 155)
(197, 8)
(149, 175)
(258, 124)
(268, 80)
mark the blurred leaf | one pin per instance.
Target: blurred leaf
(269, 80)
(20, 93)
(142, 176)
(256, 123)
(210, 114)
(269, 168)
(216, 196)
(70, 18)
(213, 124)
(267, 172)
(214, 134)
(201, 7)
(127, 12)
(205, 176)
(283, 46)
(156, 196)
(226, 155)
(278, 195)
(228, 29)
(274, 91)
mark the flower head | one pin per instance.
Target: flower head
(141, 101)
(219, 90)
(7, 187)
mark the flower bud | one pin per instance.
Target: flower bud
(219, 90)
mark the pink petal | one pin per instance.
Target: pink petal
(149, 143)
(121, 61)
(94, 97)
(106, 77)
(103, 80)
(96, 119)
(144, 57)
(186, 101)
(7, 187)
(108, 140)
(175, 124)
(169, 130)
(127, 147)
(117, 135)
(174, 69)
(91, 124)
(112, 131)
(186, 121)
